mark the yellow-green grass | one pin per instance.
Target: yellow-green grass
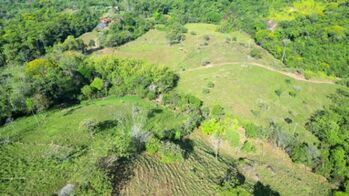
(87, 37)
(199, 174)
(249, 92)
(47, 151)
(273, 167)
(154, 47)
(241, 87)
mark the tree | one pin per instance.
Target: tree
(214, 128)
(175, 33)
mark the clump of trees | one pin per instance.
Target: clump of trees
(175, 33)
(221, 127)
(330, 125)
(61, 78)
(124, 28)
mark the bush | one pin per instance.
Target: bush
(210, 85)
(251, 130)
(292, 93)
(205, 62)
(309, 74)
(248, 147)
(206, 37)
(175, 33)
(232, 137)
(255, 53)
(153, 146)
(171, 153)
(193, 33)
(278, 92)
(89, 125)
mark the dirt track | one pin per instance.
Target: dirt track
(289, 74)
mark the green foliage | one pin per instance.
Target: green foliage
(153, 146)
(175, 33)
(278, 92)
(132, 77)
(127, 27)
(248, 147)
(89, 125)
(170, 153)
(330, 125)
(212, 127)
(28, 34)
(97, 83)
(210, 84)
(87, 91)
(255, 53)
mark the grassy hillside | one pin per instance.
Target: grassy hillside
(192, 52)
(41, 154)
(243, 88)
(249, 92)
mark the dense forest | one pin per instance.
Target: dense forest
(45, 65)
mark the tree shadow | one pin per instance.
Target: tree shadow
(152, 113)
(260, 189)
(187, 145)
(232, 177)
(71, 110)
(119, 170)
(105, 125)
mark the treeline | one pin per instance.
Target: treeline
(331, 126)
(28, 28)
(66, 76)
(314, 40)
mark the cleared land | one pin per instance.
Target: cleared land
(241, 86)
(245, 89)
(50, 150)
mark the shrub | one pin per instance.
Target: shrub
(171, 153)
(292, 93)
(193, 33)
(248, 147)
(251, 130)
(308, 74)
(232, 137)
(175, 33)
(153, 145)
(255, 53)
(278, 92)
(97, 83)
(210, 85)
(89, 125)
(206, 37)
(205, 62)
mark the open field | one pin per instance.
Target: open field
(192, 52)
(244, 85)
(272, 166)
(249, 92)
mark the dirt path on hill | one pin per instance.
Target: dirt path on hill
(289, 74)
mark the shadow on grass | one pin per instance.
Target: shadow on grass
(120, 171)
(260, 189)
(105, 125)
(187, 145)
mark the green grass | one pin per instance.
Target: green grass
(87, 37)
(245, 90)
(154, 47)
(47, 151)
(249, 92)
